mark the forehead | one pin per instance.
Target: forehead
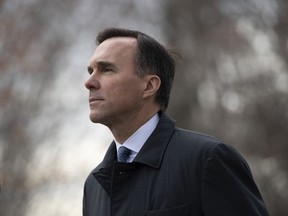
(115, 48)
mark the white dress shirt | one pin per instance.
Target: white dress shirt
(137, 140)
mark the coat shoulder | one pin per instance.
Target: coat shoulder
(191, 139)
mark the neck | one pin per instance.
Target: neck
(123, 131)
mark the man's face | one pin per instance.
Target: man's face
(116, 92)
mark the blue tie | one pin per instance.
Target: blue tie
(123, 154)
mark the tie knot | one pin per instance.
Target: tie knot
(123, 153)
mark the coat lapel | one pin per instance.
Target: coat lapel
(103, 172)
(154, 148)
(151, 153)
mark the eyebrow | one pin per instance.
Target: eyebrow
(101, 64)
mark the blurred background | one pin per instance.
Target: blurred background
(232, 83)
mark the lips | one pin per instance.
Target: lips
(95, 99)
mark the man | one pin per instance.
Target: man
(163, 170)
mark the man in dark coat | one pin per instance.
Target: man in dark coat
(153, 168)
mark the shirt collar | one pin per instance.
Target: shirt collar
(137, 140)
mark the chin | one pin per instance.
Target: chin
(93, 118)
(96, 118)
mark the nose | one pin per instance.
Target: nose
(92, 82)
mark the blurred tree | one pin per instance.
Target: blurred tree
(281, 29)
(233, 82)
(27, 58)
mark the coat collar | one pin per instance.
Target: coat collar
(153, 150)
(151, 154)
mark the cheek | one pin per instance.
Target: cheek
(128, 95)
(123, 88)
(128, 86)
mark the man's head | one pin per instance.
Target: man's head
(150, 58)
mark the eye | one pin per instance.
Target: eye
(90, 70)
(106, 69)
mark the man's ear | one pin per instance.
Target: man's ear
(153, 83)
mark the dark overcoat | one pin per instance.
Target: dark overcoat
(176, 173)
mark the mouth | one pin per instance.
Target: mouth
(91, 100)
